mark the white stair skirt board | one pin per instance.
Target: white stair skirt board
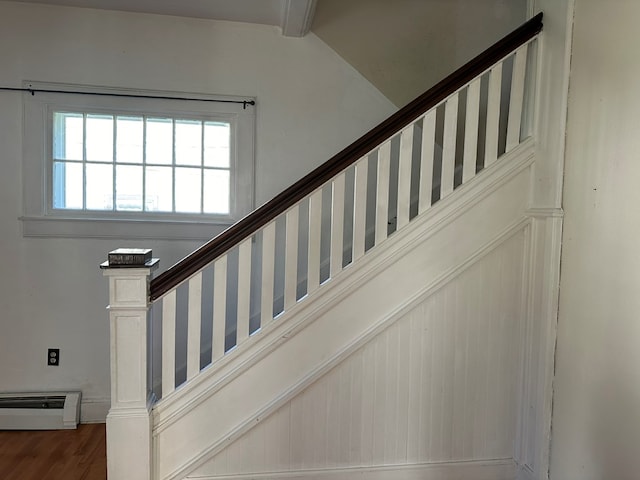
(39, 410)
(472, 470)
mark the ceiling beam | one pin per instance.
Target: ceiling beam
(297, 17)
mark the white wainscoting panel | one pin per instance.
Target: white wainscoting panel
(439, 385)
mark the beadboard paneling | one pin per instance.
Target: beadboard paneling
(439, 385)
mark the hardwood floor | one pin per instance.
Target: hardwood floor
(54, 455)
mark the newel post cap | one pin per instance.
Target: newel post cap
(129, 272)
(129, 258)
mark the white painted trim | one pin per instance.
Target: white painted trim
(534, 422)
(210, 380)
(551, 98)
(297, 17)
(500, 469)
(549, 291)
(34, 226)
(529, 256)
(545, 213)
(550, 117)
(94, 410)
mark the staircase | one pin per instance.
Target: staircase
(368, 322)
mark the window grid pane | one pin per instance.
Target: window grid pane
(68, 138)
(159, 141)
(112, 162)
(99, 183)
(216, 191)
(99, 137)
(128, 188)
(217, 137)
(188, 142)
(129, 139)
(188, 199)
(158, 189)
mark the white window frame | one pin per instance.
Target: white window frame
(40, 219)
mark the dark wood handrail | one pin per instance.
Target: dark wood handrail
(250, 224)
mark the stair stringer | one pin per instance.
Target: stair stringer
(199, 420)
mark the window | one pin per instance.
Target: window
(145, 168)
(140, 164)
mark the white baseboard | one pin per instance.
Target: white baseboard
(477, 470)
(94, 410)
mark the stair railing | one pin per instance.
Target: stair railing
(259, 268)
(254, 273)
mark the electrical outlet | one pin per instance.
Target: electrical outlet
(53, 357)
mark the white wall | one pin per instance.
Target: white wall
(596, 421)
(310, 105)
(406, 46)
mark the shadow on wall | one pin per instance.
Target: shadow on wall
(405, 46)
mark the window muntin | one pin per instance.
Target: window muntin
(158, 220)
(126, 163)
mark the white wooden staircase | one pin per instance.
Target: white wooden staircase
(370, 322)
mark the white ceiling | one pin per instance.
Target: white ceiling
(293, 16)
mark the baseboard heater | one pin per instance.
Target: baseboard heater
(39, 411)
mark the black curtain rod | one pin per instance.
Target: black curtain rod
(33, 91)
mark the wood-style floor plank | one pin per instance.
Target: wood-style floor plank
(54, 455)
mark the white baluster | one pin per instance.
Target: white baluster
(244, 290)
(426, 160)
(360, 207)
(291, 257)
(219, 307)
(315, 227)
(337, 225)
(194, 319)
(449, 145)
(471, 131)
(517, 98)
(493, 115)
(382, 192)
(268, 262)
(168, 343)
(404, 176)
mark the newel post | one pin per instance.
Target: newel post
(129, 420)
